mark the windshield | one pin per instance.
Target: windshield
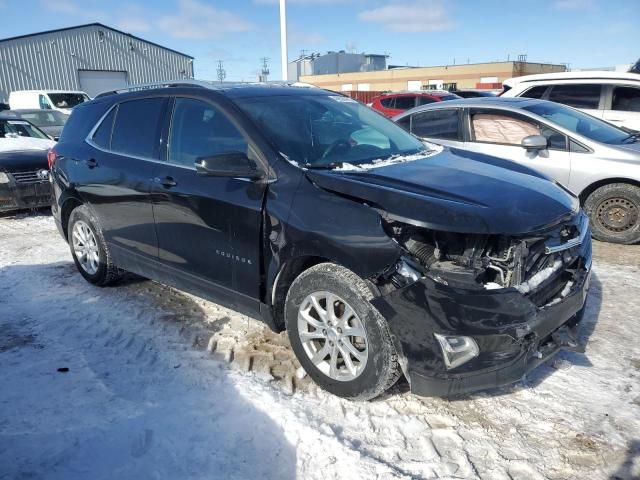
(19, 128)
(45, 118)
(324, 130)
(580, 123)
(67, 100)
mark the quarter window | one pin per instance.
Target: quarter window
(577, 95)
(102, 136)
(626, 99)
(198, 130)
(136, 128)
(436, 124)
(535, 92)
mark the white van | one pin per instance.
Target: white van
(60, 100)
(611, 96)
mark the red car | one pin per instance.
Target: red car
(392, 104)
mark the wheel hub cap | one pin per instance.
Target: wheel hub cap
(333, 336)
(85, 247)
(617, 214)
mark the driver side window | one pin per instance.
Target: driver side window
(198, 129)
(43, 102)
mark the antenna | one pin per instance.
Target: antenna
(222, 73)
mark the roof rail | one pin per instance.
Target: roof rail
(151, 86)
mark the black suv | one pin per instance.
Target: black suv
(303, 208)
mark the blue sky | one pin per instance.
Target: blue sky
(583, 33)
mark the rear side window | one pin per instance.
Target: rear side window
(405, 122)
(135, 131)
(626, 99)
(102, 136)
(436, 124)
(387, 102)
(405, 103)
(535, 92)
(577, 95)
(198, 129)
(425, 100)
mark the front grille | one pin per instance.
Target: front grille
(26, 177)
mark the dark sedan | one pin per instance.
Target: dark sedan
(49, 121)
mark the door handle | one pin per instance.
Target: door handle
(166, 182)
(91, 163)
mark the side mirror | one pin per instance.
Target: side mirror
(230, 164)
(534, 142)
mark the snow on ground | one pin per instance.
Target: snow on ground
(163, 385)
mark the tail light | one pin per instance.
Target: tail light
(51, 158)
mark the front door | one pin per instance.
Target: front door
(500, 133)
(208, 227)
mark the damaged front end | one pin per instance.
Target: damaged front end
(473, 311)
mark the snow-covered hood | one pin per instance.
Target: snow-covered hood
(16, 144)
(457, 191)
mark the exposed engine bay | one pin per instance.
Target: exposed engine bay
(485, 261)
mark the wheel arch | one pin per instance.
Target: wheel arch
(288, 272)
(69, 205)
(601, 183)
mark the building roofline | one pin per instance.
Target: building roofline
(95, 24)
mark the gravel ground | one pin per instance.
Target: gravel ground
(161, 384)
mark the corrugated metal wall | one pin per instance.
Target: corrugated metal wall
(52, 60)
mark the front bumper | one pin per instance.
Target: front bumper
(16, 196)
(513, 334)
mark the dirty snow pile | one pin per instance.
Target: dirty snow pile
(140, 381)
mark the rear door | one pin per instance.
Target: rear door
(208, 227)
(500, 133)
(622, 106)
(116, 177)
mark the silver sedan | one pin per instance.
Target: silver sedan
(597, 161)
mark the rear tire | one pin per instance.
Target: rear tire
(352, 331)
(614, 211)
(89, 250)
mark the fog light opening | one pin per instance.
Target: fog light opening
(457, 350)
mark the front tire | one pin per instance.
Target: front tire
(340, 339)
(89, 250)
(614, 211)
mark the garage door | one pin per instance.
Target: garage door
(94, 82)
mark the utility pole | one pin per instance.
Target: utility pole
(222, 73)
(283, 40)
(264, 74)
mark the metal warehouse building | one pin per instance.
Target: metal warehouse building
(91, 58)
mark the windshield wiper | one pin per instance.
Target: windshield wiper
(329, 166)
(633, 136)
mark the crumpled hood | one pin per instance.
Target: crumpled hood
(457, 191)
(27, 161)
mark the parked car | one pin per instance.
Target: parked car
(597, 161)
(611, 96)
(379, 254)
(49, 121)
(473, 93)
(24, 177)
(60, 100)
(391, 104)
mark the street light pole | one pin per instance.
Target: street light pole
(283, 39)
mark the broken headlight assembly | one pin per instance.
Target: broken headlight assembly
(457, 350)
(475, 261)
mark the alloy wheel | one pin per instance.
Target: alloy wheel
(85, 247)
(333, 336)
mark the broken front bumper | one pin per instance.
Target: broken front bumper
(18, 195)
(513, 334)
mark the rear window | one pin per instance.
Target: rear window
(387, 102)
(136, 128)
(576, 95)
